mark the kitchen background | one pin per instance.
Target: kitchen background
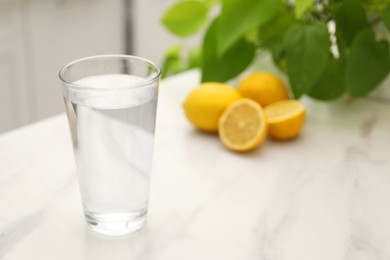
(38, 37)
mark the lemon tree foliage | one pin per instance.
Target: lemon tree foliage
(301, 6)
(238, 17)
(386, 16)
(297, 35)
(186, 17)
(368, 63)
(223, 67)
(350, 18)
(331, 83)
(307, 53)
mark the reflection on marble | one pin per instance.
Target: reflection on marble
(322, 196)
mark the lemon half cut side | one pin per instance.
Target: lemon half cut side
(285, 119)
(243, 125)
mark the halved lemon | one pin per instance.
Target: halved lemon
(243, 125)
(285, 119)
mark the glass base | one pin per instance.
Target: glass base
(115, 224)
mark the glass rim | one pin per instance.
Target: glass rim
(145, 82)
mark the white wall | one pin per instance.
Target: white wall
(37, 37)
(151, 39)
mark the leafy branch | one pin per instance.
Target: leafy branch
(327, 48)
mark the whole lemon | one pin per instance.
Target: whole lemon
(264, 88)
(206, 103)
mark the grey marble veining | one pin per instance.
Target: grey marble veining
(323, 196)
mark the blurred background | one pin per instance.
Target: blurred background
(38, 37)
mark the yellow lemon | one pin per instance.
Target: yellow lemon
(243, 125)
(206, 103)
(263, 87)
(285, 119)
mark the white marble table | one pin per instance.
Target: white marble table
(324, 196)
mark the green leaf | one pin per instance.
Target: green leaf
(271, 35)
(368, 63)
(240, 16)
(307, 52)
(375, 5)
(195, 58)
(230, 64)
(211, 2)
(350, 18)
(301, 6)
(331, 84)
(172, 62)
(386, 17)
(185, 18)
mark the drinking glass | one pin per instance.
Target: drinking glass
(111, 103)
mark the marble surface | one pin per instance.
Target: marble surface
(323, 196)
